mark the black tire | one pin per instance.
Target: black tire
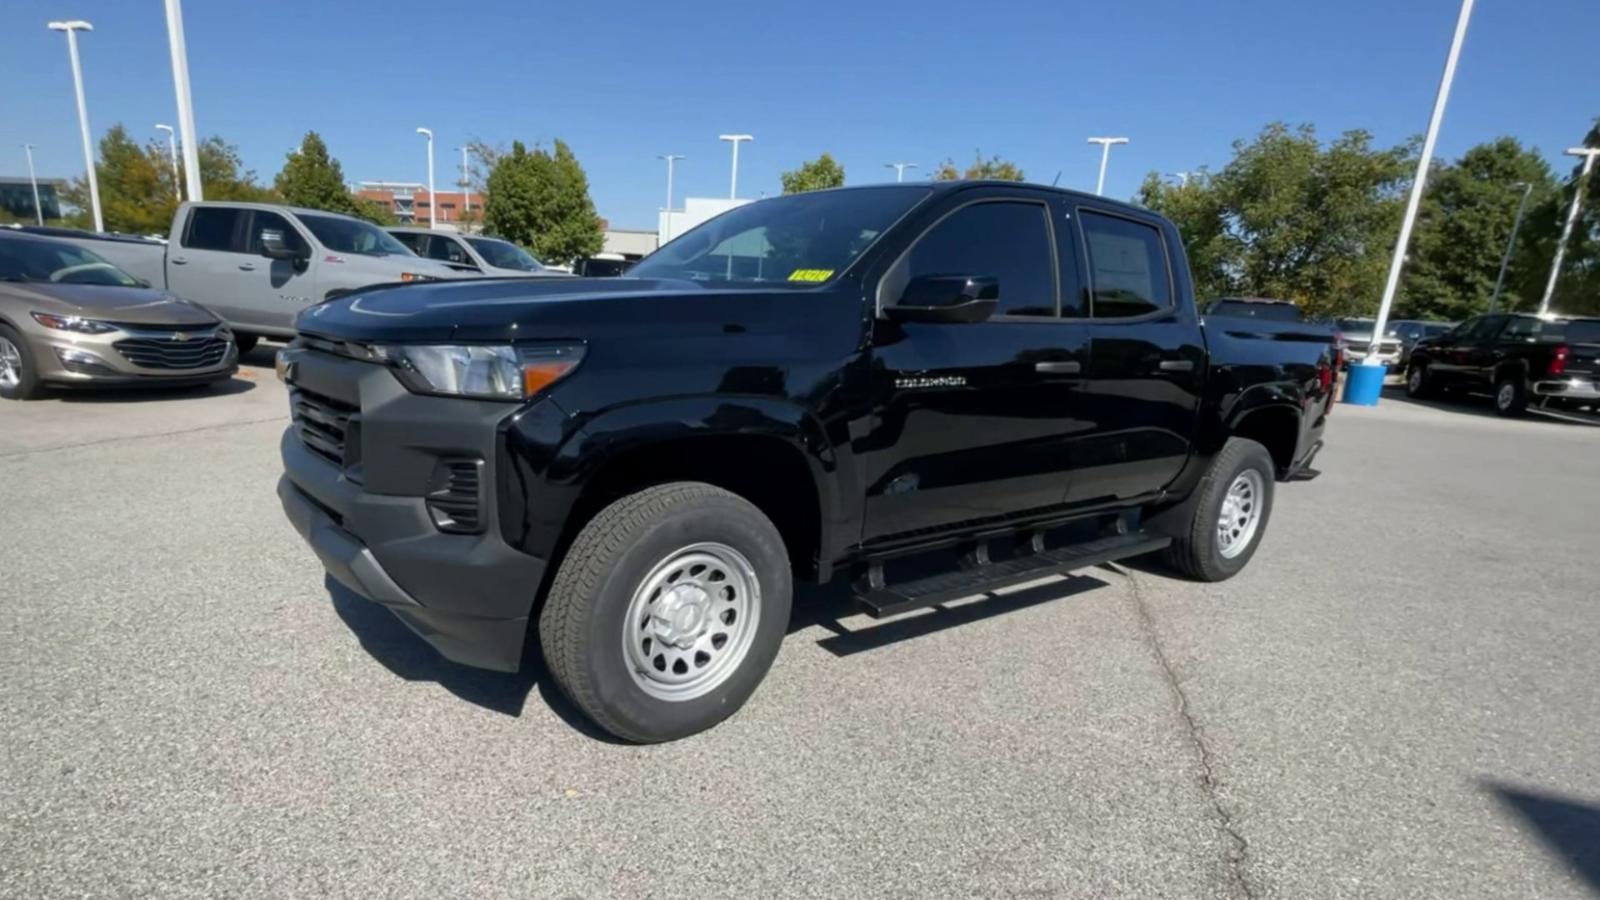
(1510, 395)
(245, 342)
(581, 628)
(1418, 382)
(1195, 550)
(27, 386)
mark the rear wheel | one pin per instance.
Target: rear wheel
(1510, 396)
(668, 610)
(1227, 515)
(1418, 383)
(19, 377)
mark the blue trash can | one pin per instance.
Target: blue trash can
(1363, 384)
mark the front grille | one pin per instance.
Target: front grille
(454, 496)
(169, 353)
(325, 425)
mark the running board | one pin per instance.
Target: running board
(881, 601)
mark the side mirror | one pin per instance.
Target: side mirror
(273, 245)
(947, 298)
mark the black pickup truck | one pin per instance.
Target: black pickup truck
(1516, 357)
(633, 471)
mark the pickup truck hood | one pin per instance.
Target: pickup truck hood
(492, 309)
(127, 305)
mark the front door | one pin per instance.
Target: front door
(973, 420)
(273, 291)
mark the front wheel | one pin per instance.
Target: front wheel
(667, 611)
(19, 379)
(1227, 515)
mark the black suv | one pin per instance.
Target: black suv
(635, 469)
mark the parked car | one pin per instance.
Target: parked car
(475, 253)
(1409, 331)
(257, 264)
(1514, 356)
(603, 265)
(69, 318)
(802, 385)
(1355, 337)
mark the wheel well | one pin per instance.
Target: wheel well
(1516, 367)
(1276, 428)
(767, 471)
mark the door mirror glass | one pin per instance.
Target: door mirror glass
(274, 245)
(947, 298)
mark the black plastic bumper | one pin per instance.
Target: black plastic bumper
(468, 595)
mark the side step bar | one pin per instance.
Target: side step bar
(881, 600)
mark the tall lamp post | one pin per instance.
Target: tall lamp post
(735, 140)
(1106, 143)
(38, 211)
(433, 202)
(1588, 154)
(466, 182)
(1511, 243)
(172, 145)
(72, 28)
(899, 170)
(180, 85)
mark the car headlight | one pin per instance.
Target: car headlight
(73, 323)
(487, 371)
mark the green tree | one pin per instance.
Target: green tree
(992, 168)
(314, 179)
(1197, 208)
(224, 177)
(814, 175)
(1578, 287)
(135, 188)
(541, 200)
(1462, 227)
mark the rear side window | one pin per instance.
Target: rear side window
(1128, 267)
(413, 242)
(212, 228)
(1009, 240)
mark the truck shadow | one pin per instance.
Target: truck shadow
(1482, 405)
(1569, 828)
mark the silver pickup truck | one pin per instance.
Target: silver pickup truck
(257, 265)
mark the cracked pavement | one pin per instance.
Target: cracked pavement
(1397, 699)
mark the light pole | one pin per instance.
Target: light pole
(735, 140)
(172, 145)
(1418, 184)
(1183, 178)
(466, 181)
(1588, 154)
(1511, 243)
(38, 211)
(899, 170)
(180, 85)
(1106, 144)
(433, 202)
(72, 28)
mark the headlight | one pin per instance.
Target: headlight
(488, 371)
(73, 323)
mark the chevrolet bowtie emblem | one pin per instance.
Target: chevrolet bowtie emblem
(180, 335)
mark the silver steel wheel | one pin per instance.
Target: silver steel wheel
(1414, 380)
(10, 364)
(1241, 513)
(1505, 396)
(691, 621)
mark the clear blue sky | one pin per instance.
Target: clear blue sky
(870, 82)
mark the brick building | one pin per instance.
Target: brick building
(411, 204)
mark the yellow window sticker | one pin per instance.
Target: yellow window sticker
(810, 274)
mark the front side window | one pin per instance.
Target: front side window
(798, 240)
(343, 235)
(1009, 241)
(505, 255)
(271, 221)
(1128, 264)
(212, 228)
(59, 262)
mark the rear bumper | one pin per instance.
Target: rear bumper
(1575, 388)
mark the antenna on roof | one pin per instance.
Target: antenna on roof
(1058, 179)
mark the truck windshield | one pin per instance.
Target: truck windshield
(505, 255)
(798, 240)
(352, 236)
(62, 263)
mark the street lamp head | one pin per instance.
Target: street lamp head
(166, 128)
(1108, 140)
(71, 25)
(1583, 151)
(426, 132)
(735, 137)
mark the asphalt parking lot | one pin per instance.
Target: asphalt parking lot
(1399, 698)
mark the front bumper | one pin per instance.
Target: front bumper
(469, 595)
(133, 356)
(1574, 388)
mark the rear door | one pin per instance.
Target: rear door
(973, 421)
(204, 266)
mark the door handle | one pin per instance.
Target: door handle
(179, 261)
(1176, 365)
(247, 267)
(1059, 367)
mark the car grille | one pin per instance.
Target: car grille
(326, 426)
(169, 353)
